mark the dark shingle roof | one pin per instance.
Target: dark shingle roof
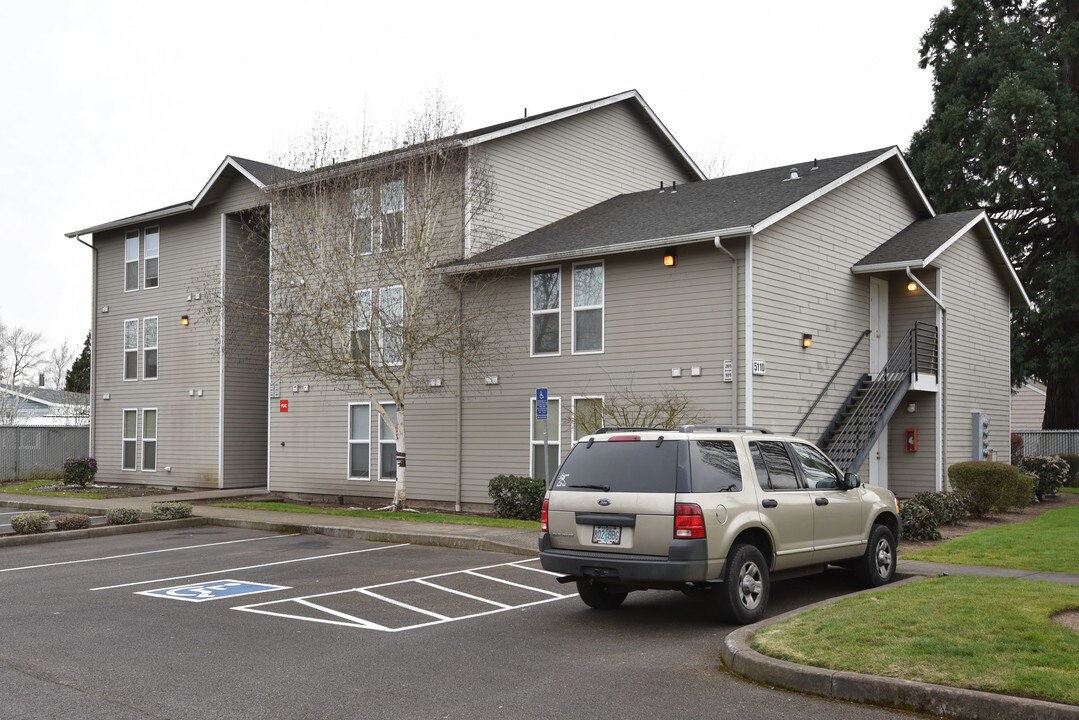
(727, 203)
(264, 172)
(914, 244)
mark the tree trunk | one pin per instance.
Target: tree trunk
(399, 494)
(1062, 402)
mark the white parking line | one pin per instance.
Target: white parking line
(352, 621)
(247, 567)
(147, 552)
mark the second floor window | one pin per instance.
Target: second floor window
(393, 215)
(151, 242)
(588, 307)
(363, 226)
(391, 316)
(131, 349)
(361, 327)
(149, 348)
(131, 260)
(546, 311)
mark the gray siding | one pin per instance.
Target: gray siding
(1028, 409)
(546, 173)
(978, 347)
(188, 357)
(802, 283)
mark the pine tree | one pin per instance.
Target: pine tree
(78, 377)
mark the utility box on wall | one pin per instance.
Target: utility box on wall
(979, 436)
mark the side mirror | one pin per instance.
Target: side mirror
(850, 481)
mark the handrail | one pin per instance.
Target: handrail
(828, 384)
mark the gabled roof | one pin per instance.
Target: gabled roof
(724, 207)
(46, 396)
(261, 174)
(920, 243)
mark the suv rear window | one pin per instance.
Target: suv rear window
(715, 467)
(638, 467)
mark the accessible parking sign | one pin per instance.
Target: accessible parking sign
(211, 590)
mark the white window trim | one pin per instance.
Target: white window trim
(532, 313)
(157, 428)
(573, 413)
(383, 441)
(146, 256)
(381, 314)
(369, 216)
(554, 433)
(146, 347)
(138, 251)
(124, 439)
(351, 442)
(367, 327)
(602, 307)
(123, 344)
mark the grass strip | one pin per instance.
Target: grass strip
(991, 634)
(1048, 543)
(446, 518)
(30, 487)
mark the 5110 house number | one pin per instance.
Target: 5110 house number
(758, 367)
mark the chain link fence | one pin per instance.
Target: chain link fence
(26, 450)
(1051, 442)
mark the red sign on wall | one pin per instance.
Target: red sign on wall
(284, 406)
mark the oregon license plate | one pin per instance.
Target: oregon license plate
(606, 534)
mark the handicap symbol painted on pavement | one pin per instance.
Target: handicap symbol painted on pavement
(211, 590)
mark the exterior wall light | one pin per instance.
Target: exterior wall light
(184, 322)
(807, 341)
(670, 259)
(912, 286)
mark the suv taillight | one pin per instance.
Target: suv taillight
(688, 522)
(543, 516)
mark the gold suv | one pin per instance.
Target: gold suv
(720, 509)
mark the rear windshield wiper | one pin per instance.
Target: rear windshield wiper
(604, 488)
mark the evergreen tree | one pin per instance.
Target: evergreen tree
(78, 377)
(1004, 136)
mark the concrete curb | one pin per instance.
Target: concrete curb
(102, 531)
(938, 700)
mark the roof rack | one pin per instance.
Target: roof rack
(725, 428)
(605, 430)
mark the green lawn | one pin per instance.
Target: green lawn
(991, 634)
(1050, 543)
(1073, 491)
(31, 487)
(447, 518)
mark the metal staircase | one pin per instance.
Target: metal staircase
(866, 412)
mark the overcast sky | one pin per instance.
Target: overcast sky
(114, 108)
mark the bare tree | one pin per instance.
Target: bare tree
(58, 364)
(23, 354)
(350, 253)
(626, 407)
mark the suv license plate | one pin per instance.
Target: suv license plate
(606, 534)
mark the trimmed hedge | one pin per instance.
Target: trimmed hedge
(122, 516)
(1073, 468)
(922, 515)
(990, 486)
(517, 496)
(30, 523)
(170, 510)
(1049, 472)
(80, 471)
(73, 521)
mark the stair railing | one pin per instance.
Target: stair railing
(831, 380)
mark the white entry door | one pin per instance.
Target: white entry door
(878, 358)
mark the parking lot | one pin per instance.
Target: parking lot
(228, 623)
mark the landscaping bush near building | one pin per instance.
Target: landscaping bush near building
(922, 515)
(30, 523)
(170, 510)
(73, 521)
(1017, 449)
(80, 471)
(990, 486)
(122, 516)
(1073, 469)
(1049, 473)
(516, 496)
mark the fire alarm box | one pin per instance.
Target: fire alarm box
(912, 440)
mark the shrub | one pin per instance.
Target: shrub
(29, 523)
(1050, 473)
(80, 471)
(122, 516)
(1073, 468)
(917, 521)
(170, 510)
(516, 496)
(1017, 449)
(74, 521)
(947, 508)
(987, 486)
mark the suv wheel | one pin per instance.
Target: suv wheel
(743, 594)
(877, 566)
(599, 595)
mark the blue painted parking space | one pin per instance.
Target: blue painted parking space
(211, 590)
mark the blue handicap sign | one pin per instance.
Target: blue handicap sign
(541, 403)
(211, 590)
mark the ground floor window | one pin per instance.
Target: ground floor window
(587, 416)
(359, 441)
(131, 418)
(554, 424)
(149, 440)
(387, 444)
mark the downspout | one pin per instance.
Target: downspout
(734, 328)
(941, 425)
(93, 340)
